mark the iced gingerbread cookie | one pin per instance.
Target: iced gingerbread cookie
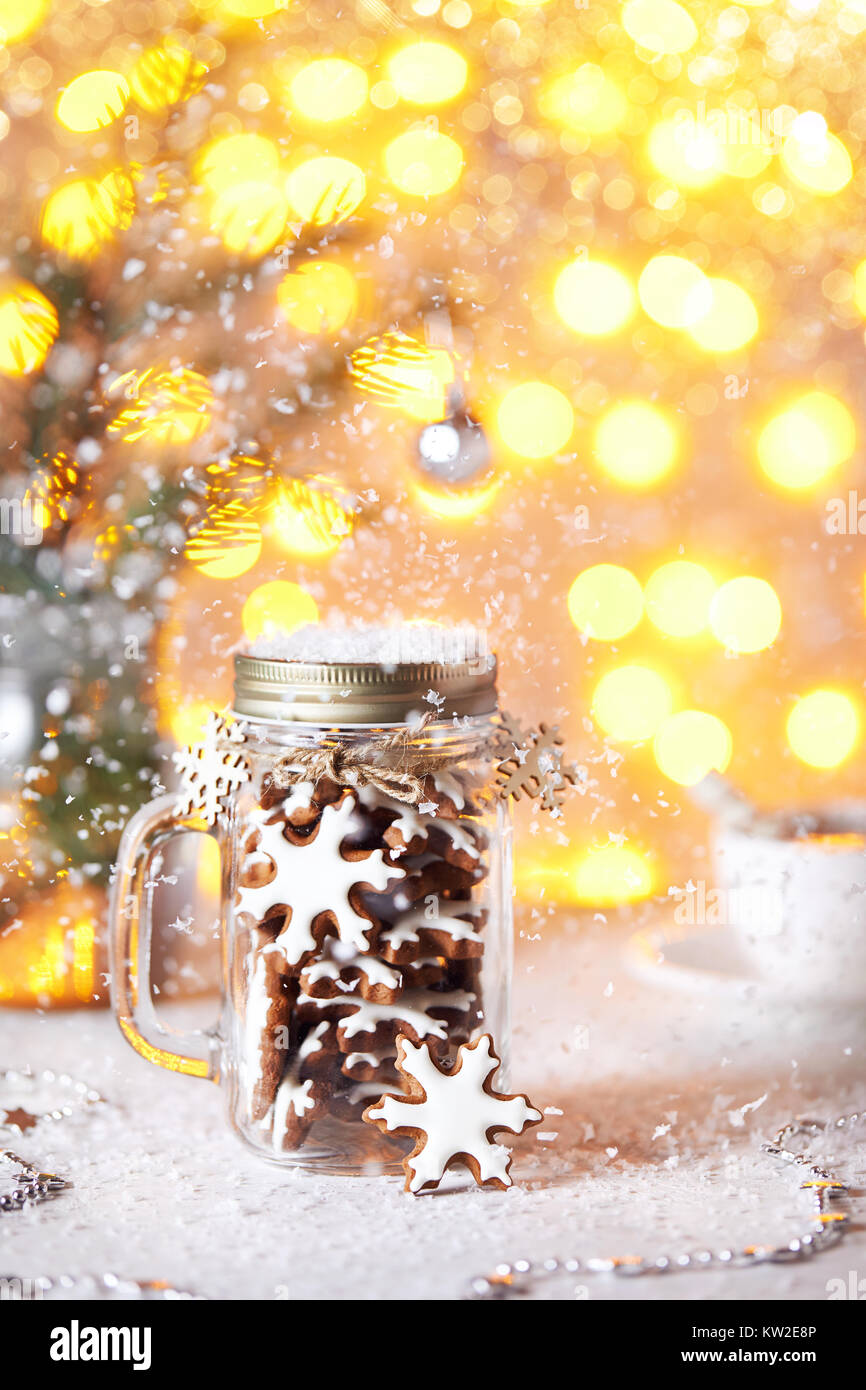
(270, 999)
(426, 876)
(314, 884)
(372, 1066)
(453, 1116)
(440, 927)
(422, 1013)
(347, 1104)
(297, 1100)
(449, 794)
(341, 970)
(409, 831)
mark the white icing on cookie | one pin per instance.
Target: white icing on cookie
(411, 823)
(447, 785)
(313, 878)
(300, 798)
(363, 1091)
(312, 1042)
(369, 1059)
(293, 1095)
(455, 1114)
(416, 1009)
(341, 957)
(454, 918)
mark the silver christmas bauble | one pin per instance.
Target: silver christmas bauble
(454, 451)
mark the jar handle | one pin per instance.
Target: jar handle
(131, 929)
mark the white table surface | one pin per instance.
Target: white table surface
(656, 1151)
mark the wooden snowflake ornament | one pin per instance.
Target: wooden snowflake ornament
(210, 770)
(453, 1116)
(535, 768)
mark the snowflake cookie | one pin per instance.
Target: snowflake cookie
(315, 883)
(452, 1115)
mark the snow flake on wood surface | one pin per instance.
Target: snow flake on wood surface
(536, 768)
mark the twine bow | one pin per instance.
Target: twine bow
(359, 766)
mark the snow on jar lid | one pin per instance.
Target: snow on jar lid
(366, 675)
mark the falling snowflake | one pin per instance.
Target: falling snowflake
(209, 770)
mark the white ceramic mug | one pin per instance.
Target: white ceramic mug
(796, 903)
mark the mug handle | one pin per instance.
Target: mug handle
(194, 1053)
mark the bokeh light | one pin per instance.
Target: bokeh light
(163, 407)
(318, 297)
(19, 18)
(823, 728)
(630, 702)
(325, 189)
(535, 420)
(82, 216)
(687, 151)
(691, 743)
(307, 519)
(251, 9)
(187, 722)
(814, 157)
(636, 444)
(605, 602)
(248, 199)
(276, 608)
(674, 292)
(731, 321)
(249, 217)
(662, 26)
(585, 100)
(93, 100)
(678, 597)
(593, 297)
(423, 162)
(51, 490)
(428, 73)
(456, 504)
(28, 328)
(328, 89)
(397, 371)
(607, 875)
(164, 75)
(800, 445)
(745, 614)
(228, 543)
(237, 159)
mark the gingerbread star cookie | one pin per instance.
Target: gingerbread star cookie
(453, 1115)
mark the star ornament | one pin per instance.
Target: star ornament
(18, 1120)
(453, 1115)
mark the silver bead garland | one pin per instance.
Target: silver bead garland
(19, 1079)
(825, 1229)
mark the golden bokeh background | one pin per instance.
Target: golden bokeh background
(254, 248)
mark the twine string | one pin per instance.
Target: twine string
(361, 765)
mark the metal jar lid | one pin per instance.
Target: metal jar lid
(338, 693)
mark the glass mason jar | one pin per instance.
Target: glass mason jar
(350, 914)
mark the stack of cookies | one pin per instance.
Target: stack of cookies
(356, 920)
